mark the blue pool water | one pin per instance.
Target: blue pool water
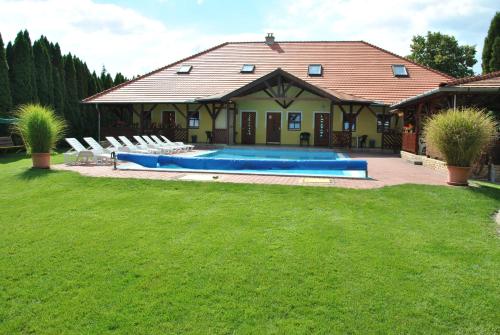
(254, 161)
(270, 154)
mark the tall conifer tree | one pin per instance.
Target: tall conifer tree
(43, 72)
(491, 55)
(71, 110)
(23, 85)
(5, 94)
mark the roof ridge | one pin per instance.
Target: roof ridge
(153, 72)
(409, 60)
(299, 41)
(471, 79)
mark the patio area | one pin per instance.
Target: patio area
(383, 169)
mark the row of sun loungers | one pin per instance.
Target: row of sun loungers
(97, 154)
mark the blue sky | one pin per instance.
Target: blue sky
(135, 37)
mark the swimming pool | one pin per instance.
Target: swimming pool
(254, 161)
(270, 154)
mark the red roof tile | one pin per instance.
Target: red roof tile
(352, 68)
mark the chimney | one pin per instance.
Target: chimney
(270, 39)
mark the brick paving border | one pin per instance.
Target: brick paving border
(383, 169)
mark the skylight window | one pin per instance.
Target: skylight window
(315, 70)
(399, 71)
(185, 69)
(247, 68)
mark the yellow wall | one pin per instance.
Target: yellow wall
(205, 119)
(366, 122)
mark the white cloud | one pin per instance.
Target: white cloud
(389, 24)
(105, 34)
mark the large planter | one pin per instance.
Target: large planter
(41, 160)
(458, 176)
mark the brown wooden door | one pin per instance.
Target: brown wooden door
(273, 132)
(248, 128)
(321, 129)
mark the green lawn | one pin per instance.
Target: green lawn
(91, 255)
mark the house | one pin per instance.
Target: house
(271, 92)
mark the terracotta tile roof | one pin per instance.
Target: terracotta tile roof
(354, 68)
(486, 80)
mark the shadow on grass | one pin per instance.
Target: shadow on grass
(486, 189)
(31, 174)
(6, 158)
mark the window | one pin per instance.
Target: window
(349, 118)
(294, 121)
(383, 122)
(248, 68)
(315, 70)
(399, 71)
(194, 120)
(185, 69)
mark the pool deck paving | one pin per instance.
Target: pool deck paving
(383, 169)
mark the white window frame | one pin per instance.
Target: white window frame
(301, 120)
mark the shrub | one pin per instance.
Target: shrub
(460, 135)
(39, 127)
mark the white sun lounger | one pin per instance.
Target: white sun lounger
(137, 148)
(116, 145)
(78, 154)
(180, 144)
(96, 146)
(155, 140)
(156, 147)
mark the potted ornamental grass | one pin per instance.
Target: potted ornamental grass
(40, 130)
(461, 136)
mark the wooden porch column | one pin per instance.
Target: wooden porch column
(330, 135)
(141, 120)
(187, 123)
(418, 114)
(350, 125)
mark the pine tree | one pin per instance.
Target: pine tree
(495, 55)
(71, 110)
(23, 86)
(58, 77)
(32, 67)
(119, 79)
(106, 79)
(43, 72)
(8, 54)
(489, 41)
(50, 81)
(82, 78)
(97, 82)
(5, 95)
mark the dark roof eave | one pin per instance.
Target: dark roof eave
(446, 89)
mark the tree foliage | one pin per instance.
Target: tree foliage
(491, 49)
(443, 53)
(23, 85)
(5, 95)
(41, 73)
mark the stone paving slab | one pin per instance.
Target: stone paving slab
(384, 170)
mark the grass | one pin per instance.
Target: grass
(95, 255)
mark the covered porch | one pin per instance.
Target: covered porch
(482, 92)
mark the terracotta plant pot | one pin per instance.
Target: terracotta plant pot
(458, 175)
(41, 160)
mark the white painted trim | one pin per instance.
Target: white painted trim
(301, 119)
